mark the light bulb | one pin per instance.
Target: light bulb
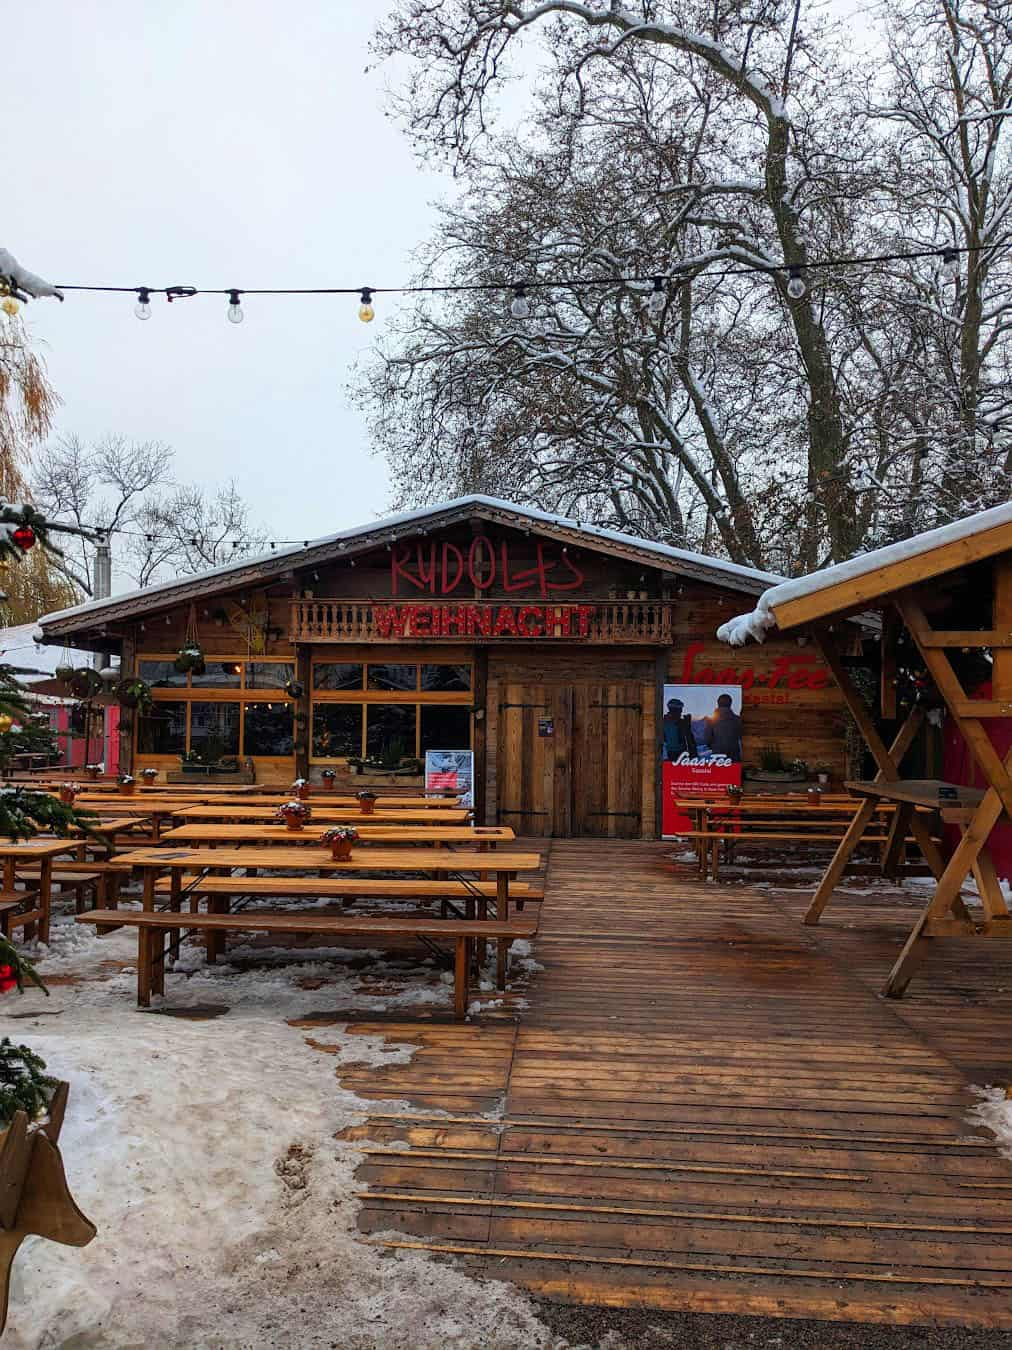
(658, 298)
(950, 264)
(365, 310)
(143, 306)
(235, 314)
(796, 285)
(520, 306)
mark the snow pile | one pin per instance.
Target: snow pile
(994, 1110)
(206, 1153)
(23, 283)
(755, 624)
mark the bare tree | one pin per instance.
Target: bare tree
(125, 491)
(695, 141)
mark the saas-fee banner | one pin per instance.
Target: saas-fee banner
(700, 747)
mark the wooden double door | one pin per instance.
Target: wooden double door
(569, 758)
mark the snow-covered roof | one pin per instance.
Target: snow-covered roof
(313, 551)
(878, 570)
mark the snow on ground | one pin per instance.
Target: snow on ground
(995, 1111)
(205, 1153)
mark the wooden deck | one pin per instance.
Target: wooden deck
(705, 1106)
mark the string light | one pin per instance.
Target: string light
(234, 312)
(365, 310)
(142, 309)
(658, 299)
(520, 306)
(796, 284)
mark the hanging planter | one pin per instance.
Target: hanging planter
(65, 672)
(294, 689)
(294, 814)
(190, 657)
(134, 692)
(85, 682)
(339, 840)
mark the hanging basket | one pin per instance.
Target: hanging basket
(134, 693)
(85, 682)
(294, 689)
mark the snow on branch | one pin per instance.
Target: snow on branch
(24, 285)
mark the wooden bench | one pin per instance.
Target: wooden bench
(12, 911)
(152, 928)
(78, 876)
(710, 841)
(344, 888)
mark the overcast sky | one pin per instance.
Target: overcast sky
(213, 144)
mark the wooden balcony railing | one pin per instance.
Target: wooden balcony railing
(644, 622)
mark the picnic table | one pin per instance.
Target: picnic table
(17, 854)
(482, 836)
(177, 861)
(790, 821)
(324, 813)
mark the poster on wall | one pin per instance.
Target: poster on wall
(451, 771)
(700, 746)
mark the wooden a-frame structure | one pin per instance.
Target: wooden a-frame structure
(963, 573)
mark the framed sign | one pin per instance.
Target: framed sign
(451, 771)
(700, 747)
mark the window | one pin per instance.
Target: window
(268, 729)
(214, 730)
(161, 674)
(445, 678)
(392, 677)
(337, 675)
(390, 732)
(218, 675)
(268, 674)
(337, 730)
(444, 726)
(162, 731)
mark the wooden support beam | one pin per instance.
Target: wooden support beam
(887, 662)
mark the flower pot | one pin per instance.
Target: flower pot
(367, 806)
(302, 792)
(127, 789)
(329, 784)
(823, 778)
(814, 796)
(93, 773)
(149, 775)
(340, 850)
(293, 822)
(67, 796)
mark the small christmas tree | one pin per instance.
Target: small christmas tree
(23, 812)
(24, 1084)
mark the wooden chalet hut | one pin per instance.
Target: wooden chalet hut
(945, 599)
(541, 643)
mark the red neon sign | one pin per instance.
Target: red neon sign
(794, 670)
(486, 621)
(443, 568)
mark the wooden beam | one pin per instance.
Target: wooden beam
(887, 663)
(966, 637)
(1001, 682)
(851, 594)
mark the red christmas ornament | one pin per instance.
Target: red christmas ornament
(24, 537)
(7, 979)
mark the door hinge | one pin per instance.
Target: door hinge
(504, 706)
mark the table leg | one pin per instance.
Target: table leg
(145, 946)
(461, 965)
(840, 859)
(45, 898)
(175, 904)
(502, 896)
(503, 945)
